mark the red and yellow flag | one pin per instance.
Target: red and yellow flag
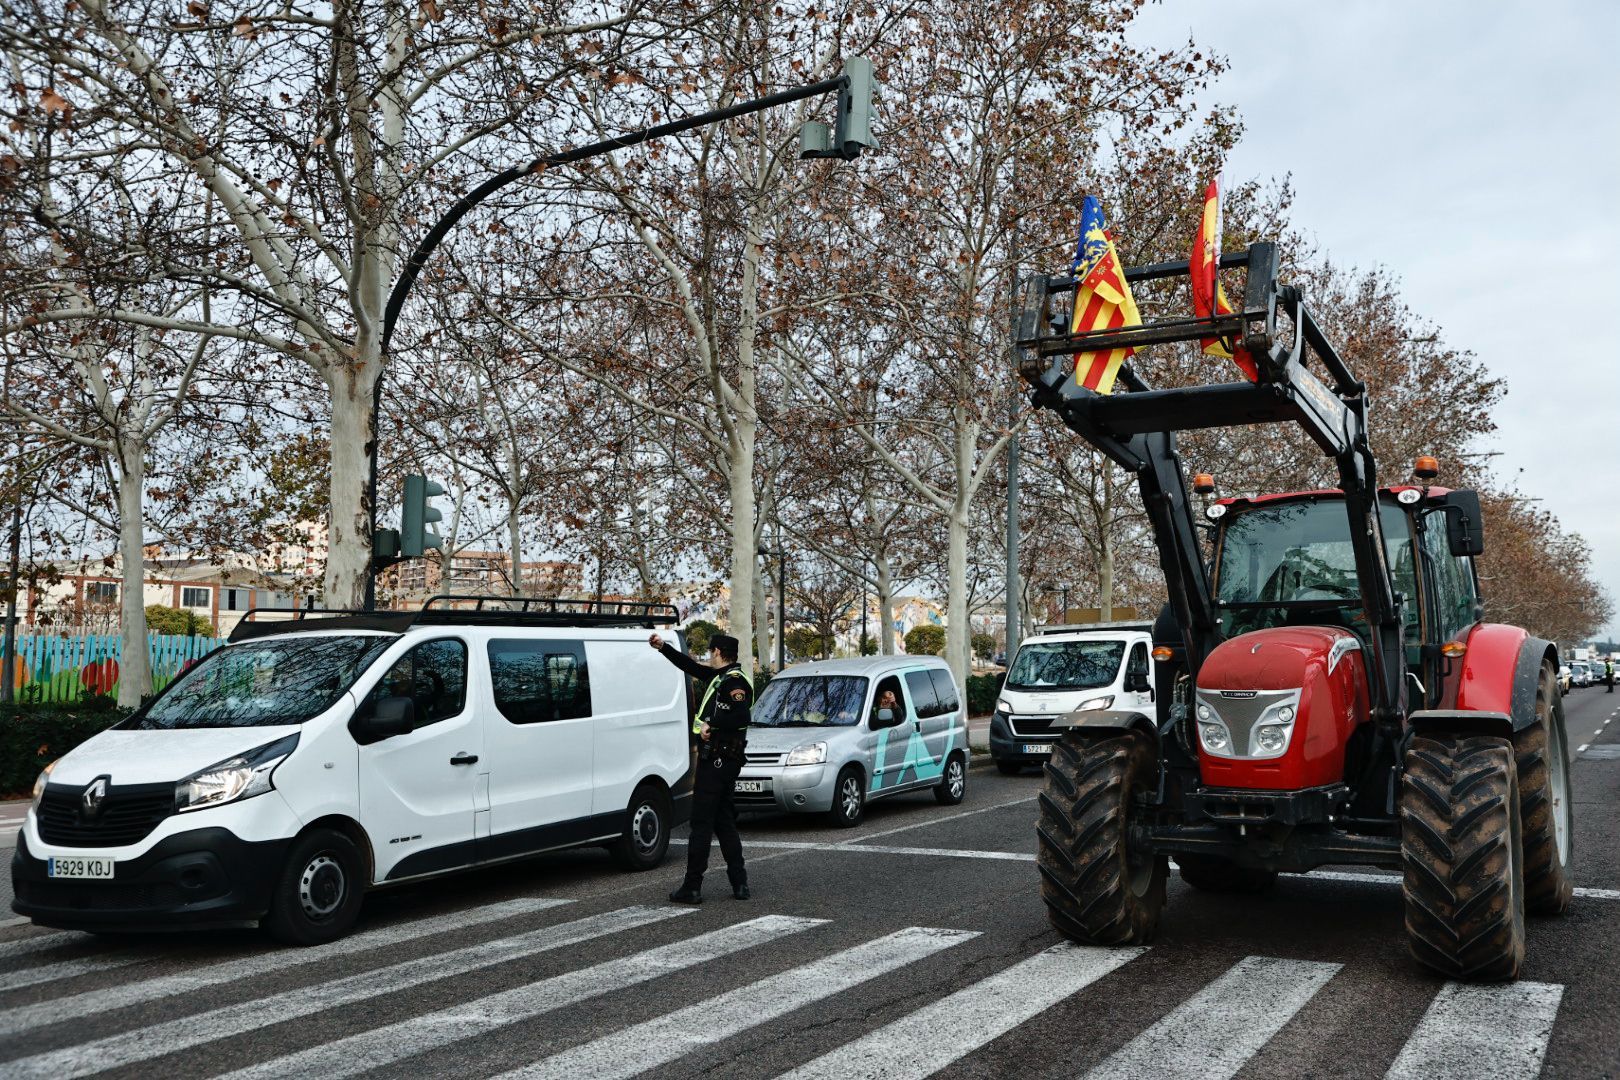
(1209, 299)
(1102, 300)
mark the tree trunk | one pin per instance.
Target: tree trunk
(885, 599)
(762, 622)
(514, 538)
(349, 537)
(135, 663)
(744, 552)
(958, 639)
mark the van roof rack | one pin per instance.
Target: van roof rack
(1085, 628)
(485, 611)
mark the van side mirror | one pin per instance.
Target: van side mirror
(1136, 682)
(885, 718)
(1465, 531)
(386, 718)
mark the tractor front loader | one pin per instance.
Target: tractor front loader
(1337, 697)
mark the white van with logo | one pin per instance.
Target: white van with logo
(1063, 668)
(309, 760)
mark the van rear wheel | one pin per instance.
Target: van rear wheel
(646, 830)
(317, 897)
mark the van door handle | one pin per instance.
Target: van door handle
(464, 759)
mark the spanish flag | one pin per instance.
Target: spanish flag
(1209, 299)
(1102, 300)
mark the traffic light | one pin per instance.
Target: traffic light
(857, 101)
(414, 539)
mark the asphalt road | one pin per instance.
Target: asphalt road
(913, 945)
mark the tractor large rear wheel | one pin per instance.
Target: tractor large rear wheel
(1544, 803)
(1097, 889)
(1461, 848)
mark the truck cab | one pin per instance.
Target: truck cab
(1063, 668)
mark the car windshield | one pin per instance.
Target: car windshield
(811, 701)
(1298, 554)
(264, 683)
(1065, 665)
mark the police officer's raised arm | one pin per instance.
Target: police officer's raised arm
(701, 672)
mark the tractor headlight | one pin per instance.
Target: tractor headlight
(1214, 736)
(809, 754)
(1205, 713)
(1271, 739)
(1104, 702)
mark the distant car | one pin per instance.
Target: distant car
(1563, 679)
(1580, 673)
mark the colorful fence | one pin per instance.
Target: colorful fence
(69, 669)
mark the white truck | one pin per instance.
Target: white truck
(1062, 668)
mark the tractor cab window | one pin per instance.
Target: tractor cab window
(1454, 596)
(1292, 564)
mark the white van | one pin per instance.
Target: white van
(309, 760)
(1063, 668)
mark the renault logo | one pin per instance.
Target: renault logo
(94, 795)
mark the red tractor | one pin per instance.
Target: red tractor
(1337, 696)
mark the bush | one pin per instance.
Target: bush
(982, 691)
(698, 633)
(32, 737)
(984, 646)
(925, 640)
(177, 622)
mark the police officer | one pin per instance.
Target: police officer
(721, 726)
(1608, 673)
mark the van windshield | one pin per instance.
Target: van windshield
(264, 683)
(811, 701)
(1065, 665)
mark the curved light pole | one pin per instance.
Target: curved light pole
(856, 88)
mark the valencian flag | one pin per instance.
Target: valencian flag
(1102, 299)
(1209, 299)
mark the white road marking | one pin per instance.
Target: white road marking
(919, 1045)
(67, 969)
(40, 942)
(1395, 879)
(99, 1002)
(1216, 1031)
(657, 1042)
(883, 849)
(20, 920)
(1581, 749)
(934, 821)
(408, 1038)
(1490, 1032)
(143, 1044)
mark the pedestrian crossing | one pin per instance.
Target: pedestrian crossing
(543, 989)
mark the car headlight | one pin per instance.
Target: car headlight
(1106, 701)
(39, 785)
(810, 754)
(235, 778)
(1004, 706)
(1215, 738)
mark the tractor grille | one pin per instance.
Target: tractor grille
(1032, 727)
(127, 815)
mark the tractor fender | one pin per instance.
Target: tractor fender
(1101, 720)
(1496, 688)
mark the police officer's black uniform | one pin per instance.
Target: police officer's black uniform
(728, 697)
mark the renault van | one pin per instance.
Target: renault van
(308, 761)
(829, 737)
(1063, 668)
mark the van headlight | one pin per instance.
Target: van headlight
(235, 778)
(1106, 701)
(810, 754)
(1003, 706)
(39, 785)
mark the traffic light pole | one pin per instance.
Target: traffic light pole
(816, 141)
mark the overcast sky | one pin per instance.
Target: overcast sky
(1474, 149)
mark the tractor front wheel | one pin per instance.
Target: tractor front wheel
(1463, 857)
(1097, 889)
(1544, 803)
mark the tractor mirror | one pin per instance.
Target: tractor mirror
(1465, 531)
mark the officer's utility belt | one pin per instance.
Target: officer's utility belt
(730, 748)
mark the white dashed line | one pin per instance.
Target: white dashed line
(1581, 749)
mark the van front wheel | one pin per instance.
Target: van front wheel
(318, 896)
(646, 831)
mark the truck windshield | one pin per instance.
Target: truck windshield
(1065, 665)
(811, 701)
(264, 683)
(1298, 555)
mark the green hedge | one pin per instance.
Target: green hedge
(981, 693)
(33, 736)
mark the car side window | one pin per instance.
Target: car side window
(890, 685)
(537, 682)
(923, 697)
(944, 690)
(434, 676)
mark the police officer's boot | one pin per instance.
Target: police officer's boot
(739, 887)
(686, 894)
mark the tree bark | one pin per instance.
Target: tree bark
(135, 662)
(885, 599)
(744, 553)
(348, 536)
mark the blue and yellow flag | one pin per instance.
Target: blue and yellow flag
(1102, 299)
